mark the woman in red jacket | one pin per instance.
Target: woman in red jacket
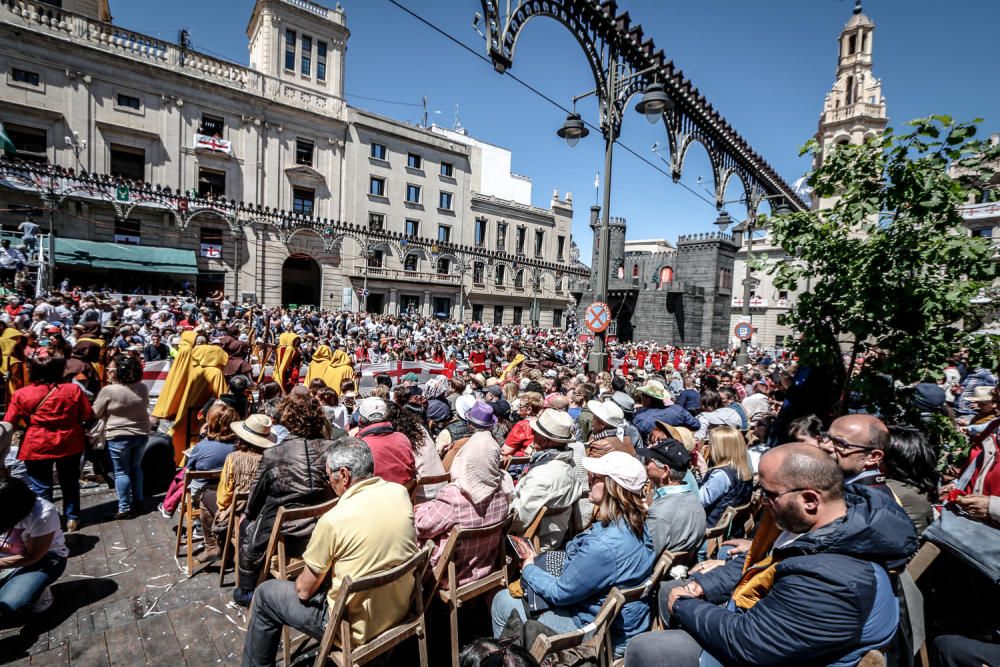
(53, 414)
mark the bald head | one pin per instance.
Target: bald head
(862, 430)
(799, 465)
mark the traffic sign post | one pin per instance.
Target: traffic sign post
(597, 318)
(744, 331)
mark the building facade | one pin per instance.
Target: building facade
(853, 111)
(278, 190)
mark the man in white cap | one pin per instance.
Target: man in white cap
(550, 480)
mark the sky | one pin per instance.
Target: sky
(765, 65)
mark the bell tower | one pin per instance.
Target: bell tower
(855, 108)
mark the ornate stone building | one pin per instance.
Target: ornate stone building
(259, 180)
(853, 111)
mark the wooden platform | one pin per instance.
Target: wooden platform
(125, 601)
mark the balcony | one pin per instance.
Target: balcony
(382, 273)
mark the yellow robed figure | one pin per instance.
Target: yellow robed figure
(14, 369)
(340, 369)
(287, 361)
(177, 376)
(319, 364)
(205, 380)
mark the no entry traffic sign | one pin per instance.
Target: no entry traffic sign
(598, 316)
(743, 331)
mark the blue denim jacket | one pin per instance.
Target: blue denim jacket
(597, 560)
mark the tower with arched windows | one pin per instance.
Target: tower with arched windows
(854, 109)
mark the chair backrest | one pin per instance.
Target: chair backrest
(531, 532)
(445, 564)
(430, 480)
(295, 513)
(339, 624)
(600, 628)
(646, 588)
(276, 542)
(191, 475)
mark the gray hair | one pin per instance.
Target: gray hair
(353, 454)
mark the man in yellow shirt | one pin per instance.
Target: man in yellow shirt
(370, 530)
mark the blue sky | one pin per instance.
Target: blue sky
(766, 65)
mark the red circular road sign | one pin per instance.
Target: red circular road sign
(743, 331)
(598, 316)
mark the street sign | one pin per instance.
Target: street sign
(363, 292)
(598, 316)
(743, 331)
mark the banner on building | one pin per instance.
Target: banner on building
(215, 144)
(211, 250)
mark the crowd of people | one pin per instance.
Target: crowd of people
(603, 471)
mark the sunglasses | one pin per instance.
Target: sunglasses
(772, 496)
(840, 443)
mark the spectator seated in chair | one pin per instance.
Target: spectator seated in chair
(813, 589)
(676, 518)
(370, 530)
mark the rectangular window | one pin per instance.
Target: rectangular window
(497, 315)
(448, 169)
(444, 234)
(128, 162)
(783, 295)
(127, 232)
(477, 312)
(307, 49)
(376, 186)
(779, 341)
(304, 152)
(211, 242)
(412, 193)
(443, 266)
(375, 259)
(129, 101)
(502, 236)
(24, 76)
(560, 247)
(413, 161)
(852, 45)
(290, 50)
(982, 232)
(32, 143)
(518, 310)
(556, 317)
(539, 242)
(376, 222)
(410, 264)
(412, 228)
(211, 183)
(379, 152)
(522, 234)
(303, 200)
(321, 61)
(501, 276)
(478, 273)
(480, 237)
(211, 126)
(444, 201)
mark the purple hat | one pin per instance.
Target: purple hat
(481, 415)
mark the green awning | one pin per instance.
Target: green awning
(98, 255)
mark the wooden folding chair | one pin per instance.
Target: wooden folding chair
(446, 577)
(430, 480)
(230, 548)
(926, 555)
(338, 627)
(515, 461)
(717, 534)
(531, 532)
(189, 513)
(599, 642)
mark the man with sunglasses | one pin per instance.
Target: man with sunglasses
(858, 443)
(815, 589)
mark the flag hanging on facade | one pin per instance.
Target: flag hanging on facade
(215, 144)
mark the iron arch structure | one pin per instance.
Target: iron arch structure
(611, 43)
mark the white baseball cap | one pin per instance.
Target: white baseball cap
(373, 409)
(624, 468)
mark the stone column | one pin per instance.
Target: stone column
(425, 308)
(393, 308)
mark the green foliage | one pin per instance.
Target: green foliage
(890, 266)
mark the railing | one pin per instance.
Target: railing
(130, 44)
(398, 274)
(858, 109)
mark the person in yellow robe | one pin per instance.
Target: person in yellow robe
(340, 369)
(206, 379)
(177, 379)
(288, 361)
(319, 364)
(15, 371)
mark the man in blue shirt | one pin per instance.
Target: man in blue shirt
(657, 406)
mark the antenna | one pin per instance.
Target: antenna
(425, 112)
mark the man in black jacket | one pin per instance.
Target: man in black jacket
(820, 595)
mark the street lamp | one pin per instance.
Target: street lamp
(655, 102)
(723, 222)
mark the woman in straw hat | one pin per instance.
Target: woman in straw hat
(238, 471)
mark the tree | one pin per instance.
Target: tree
(890, 266)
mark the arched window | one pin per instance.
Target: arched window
(850, 90)
(635, 274)
(666, 276)
(500, 274)
(519, 279)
